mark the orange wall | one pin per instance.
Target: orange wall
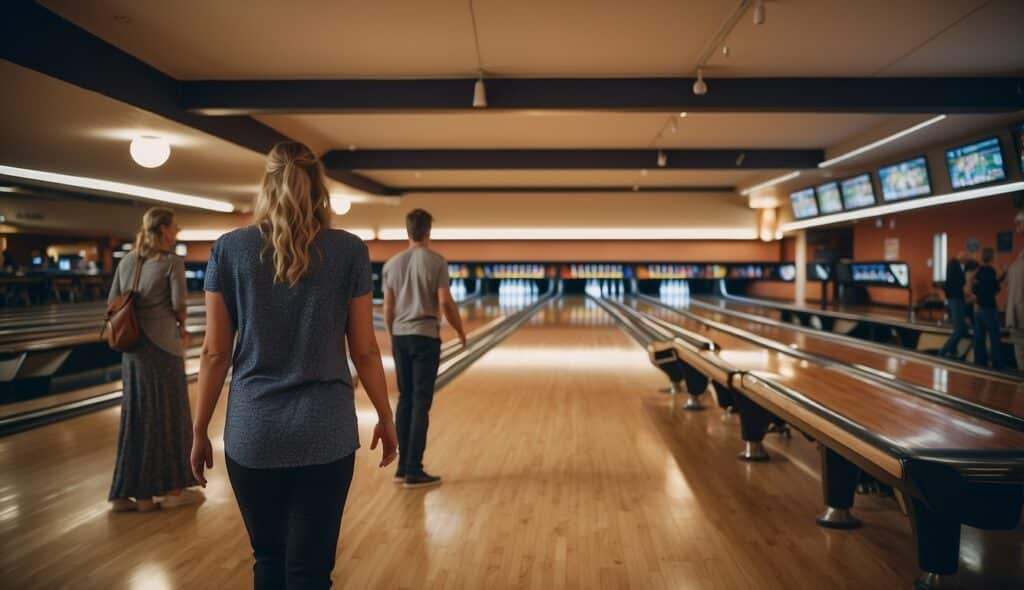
(981, 219)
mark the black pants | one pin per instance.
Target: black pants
(293, 516)
(416, 362)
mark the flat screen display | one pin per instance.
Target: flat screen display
(1018, 138)
(857, 192)
(804, 203)
(976, 163)
(905, 180)
(829, 199)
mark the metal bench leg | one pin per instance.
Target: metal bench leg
(838, 484)
(938, 546)
(754, 422)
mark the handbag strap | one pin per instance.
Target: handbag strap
(138, 274)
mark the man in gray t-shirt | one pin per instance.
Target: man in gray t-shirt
(415, 295)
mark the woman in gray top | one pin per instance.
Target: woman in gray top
(156, 422)
(283, 297)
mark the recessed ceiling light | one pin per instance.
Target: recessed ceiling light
(150, 151)
(771, 182)
(119, 188)
(881, 142)
(8, 189)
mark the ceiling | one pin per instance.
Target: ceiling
(54, 125)
(229, 39)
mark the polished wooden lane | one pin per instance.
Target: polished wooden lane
(902, 418)
(1004, 393)
(563, 469)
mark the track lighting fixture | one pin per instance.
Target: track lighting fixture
(662, 159)
(700, 87)
(479, 93)
(674, 126)
(759, 12)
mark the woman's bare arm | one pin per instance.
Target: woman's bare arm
(362, 344)
(214, 362)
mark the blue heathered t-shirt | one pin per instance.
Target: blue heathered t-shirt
(291, 399)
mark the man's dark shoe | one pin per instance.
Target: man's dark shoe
(399, 477)
(421, 480)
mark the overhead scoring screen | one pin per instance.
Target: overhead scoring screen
(905, 180)
(857, 192)
(804, 204)
(1018, 138)
(976, 163)
(829, 199)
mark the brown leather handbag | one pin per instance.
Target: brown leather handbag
(121, 326)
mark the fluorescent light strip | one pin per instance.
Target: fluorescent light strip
(968, 195)
(576, 233)
(211, 235)
(881, 142)
(120, 188)
(771, 182)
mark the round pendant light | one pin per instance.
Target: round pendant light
(340, 204)
(149, 151)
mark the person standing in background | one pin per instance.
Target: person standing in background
(415, 294)
(985, 286)
(156, 421)
(1015, 297)
(954, 290)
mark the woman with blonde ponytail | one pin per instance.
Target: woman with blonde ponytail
(156, 421)
(283, 296)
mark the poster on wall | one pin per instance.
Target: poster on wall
(892, 248)
(1004, 241)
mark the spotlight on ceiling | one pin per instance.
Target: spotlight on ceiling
(674, 127)
(662, 159)
(479, 94)
(759, 12)
(740, 158)
(149, 151)
(700, 87)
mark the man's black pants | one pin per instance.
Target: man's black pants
(416, 362)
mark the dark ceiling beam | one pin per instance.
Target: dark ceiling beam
(803, 95)
(565, 189)
(570, 159)
(35, 38)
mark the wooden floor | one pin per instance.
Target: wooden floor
(563, 467)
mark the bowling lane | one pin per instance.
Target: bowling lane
(563, 467)
(878, 313)
(1003, 394)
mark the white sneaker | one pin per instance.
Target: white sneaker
(185, 498)
(146, 505)
(123, 505)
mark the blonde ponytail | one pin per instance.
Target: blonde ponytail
(147, 241)
(292, 208)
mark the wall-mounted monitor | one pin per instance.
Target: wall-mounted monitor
(857, 192)
(976, 163)
(905, 180)
(1018, 140)
(829, 199)
(804, 203)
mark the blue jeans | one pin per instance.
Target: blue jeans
(958, 317)
(986, 321)
(416, 362)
